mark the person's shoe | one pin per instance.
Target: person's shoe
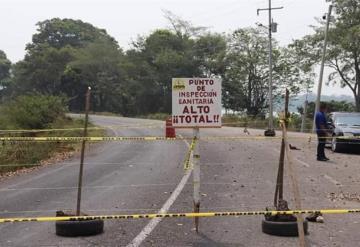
(326, 158)
(322, 159)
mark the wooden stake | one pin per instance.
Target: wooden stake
(87, 108)
(279, 194)
(293, 177)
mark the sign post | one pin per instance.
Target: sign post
(196, 176)
(196, 103)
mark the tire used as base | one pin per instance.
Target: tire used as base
(282, 228)
(270, 133)
(79, 228)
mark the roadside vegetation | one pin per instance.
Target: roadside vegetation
(295, 120)
(65, 56)
(37, 113)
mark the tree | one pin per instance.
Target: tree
(59, 33)
(246, 76)
(343, 53)
(98, 65)
(332, 106)
(65, 57)
(51, 49)
(41, 71)
(210, 52)
(5, 66)
(183, 27)
(162, 55)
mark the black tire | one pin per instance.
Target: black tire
(79, 228)
(269, 132)
(282, 228)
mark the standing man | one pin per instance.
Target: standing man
(321, 130)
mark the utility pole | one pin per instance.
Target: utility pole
(317, 104)
(272, 28)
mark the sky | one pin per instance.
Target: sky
(126, 19)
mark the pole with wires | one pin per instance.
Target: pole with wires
(317, 104)
(271, 28)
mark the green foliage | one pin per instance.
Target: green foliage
(156, 116)
(42, 70)
(5, 66)
(17, 155)
(59, 33)
(32, 112)
(165, 55)
(99, 65)
(37, 112)
(343, 52)
(66, 56)
(332, 106)
(239, 120)
(247, 74)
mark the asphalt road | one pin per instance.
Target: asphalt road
(145, 177)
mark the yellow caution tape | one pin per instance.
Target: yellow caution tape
(89, 128)
(159, 138)
(187, 163)
(104, 138)
(177, 215)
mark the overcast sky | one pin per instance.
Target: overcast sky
(125, 19)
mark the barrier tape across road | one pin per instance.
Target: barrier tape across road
(178, 215)
(148, 126)
(156, 138)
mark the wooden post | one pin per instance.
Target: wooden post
(87, 108)
(196, 176)
(295, 187)
(279, 194)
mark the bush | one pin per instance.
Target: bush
(37, 112)
(32, 112)
(156, 116)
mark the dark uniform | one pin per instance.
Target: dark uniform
(320, 120)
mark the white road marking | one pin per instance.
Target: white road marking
(154, 222)
(298, 160)
(302, 162)
(334, 181)
(105, 186)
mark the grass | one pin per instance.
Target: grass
(17, 155)
(240, 121)
(107, 114)
(156, 116)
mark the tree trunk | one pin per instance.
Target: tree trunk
(357, 84)
(357, 101)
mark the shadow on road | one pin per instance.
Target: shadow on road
(208, 242)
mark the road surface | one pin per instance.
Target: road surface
(145, 177)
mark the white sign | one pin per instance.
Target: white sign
(196, 102)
